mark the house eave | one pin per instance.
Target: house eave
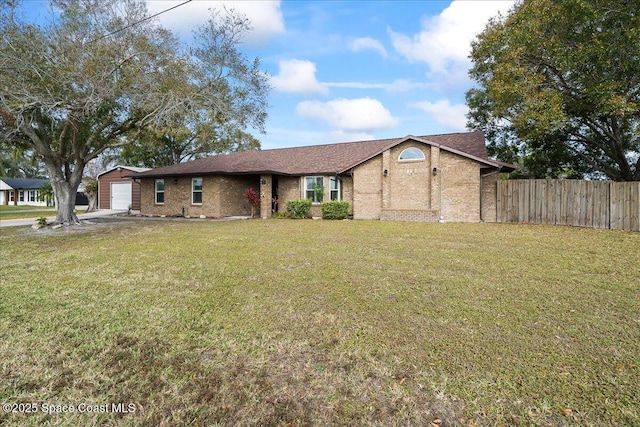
(207, 173)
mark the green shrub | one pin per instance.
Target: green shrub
(298, 208)
(335, 209)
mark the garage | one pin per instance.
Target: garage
(116, 190)
(121, 195)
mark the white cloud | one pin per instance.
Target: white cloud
(367, 43)
(298, 76)
(265, 16)
(452, 117)
(445, 40)
(348, 114)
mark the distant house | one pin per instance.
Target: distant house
(23, 191)
(426, 178)
(116, 191)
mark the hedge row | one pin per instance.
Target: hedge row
(334, 209)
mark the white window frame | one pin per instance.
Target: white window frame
(413, 159)
(32, 196)
(194, 191)
(307, 189)
(21, 196)
(156, 191)
(12, 196)
(337, 190)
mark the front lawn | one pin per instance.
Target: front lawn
(286, 322)
(25, 211)
(9, 214)
(5, 208)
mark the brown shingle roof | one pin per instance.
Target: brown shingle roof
(318, 159)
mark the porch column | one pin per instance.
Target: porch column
(265, 196)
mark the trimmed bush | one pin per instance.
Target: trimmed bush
(298, 208)
(335, 209)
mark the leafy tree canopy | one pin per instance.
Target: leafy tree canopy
(168, 145)
(18, 162)
(100, 73)
(559, 88)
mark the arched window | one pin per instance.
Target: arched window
(411, 153)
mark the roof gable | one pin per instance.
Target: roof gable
(470, 145)
(130, 168)
(480, 156)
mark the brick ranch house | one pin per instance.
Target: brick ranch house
(427, 178)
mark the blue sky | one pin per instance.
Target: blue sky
(354, 70)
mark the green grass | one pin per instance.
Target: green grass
(8, 211)
(5, 208)
(287, 322)
(26, 215)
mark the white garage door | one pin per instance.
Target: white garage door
(120, 195)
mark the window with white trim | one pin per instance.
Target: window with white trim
(21, 196)
(314, 188)
(11, 196)
(159, 191)
(32, 195)
(335, 186)
(411, 153)
(196, 191)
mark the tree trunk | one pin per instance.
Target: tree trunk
(65, 193)
(66, 196)
(93, 202)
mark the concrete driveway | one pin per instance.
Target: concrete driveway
(31, 221)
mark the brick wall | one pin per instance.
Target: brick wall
(367, 189)
(177, 196)
(347, 191)
(460, 181)
(489, 194)
(232, 194)
(409, 181)
(430, 215)
(410, 191)
(221, 196)
(288, 189)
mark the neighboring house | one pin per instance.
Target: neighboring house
(23, 191)
(428, 178)
(116, 191)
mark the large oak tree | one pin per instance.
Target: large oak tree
(99, 72)
(181, 142)
(559, 87)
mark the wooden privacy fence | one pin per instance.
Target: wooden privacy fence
(597, 204)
